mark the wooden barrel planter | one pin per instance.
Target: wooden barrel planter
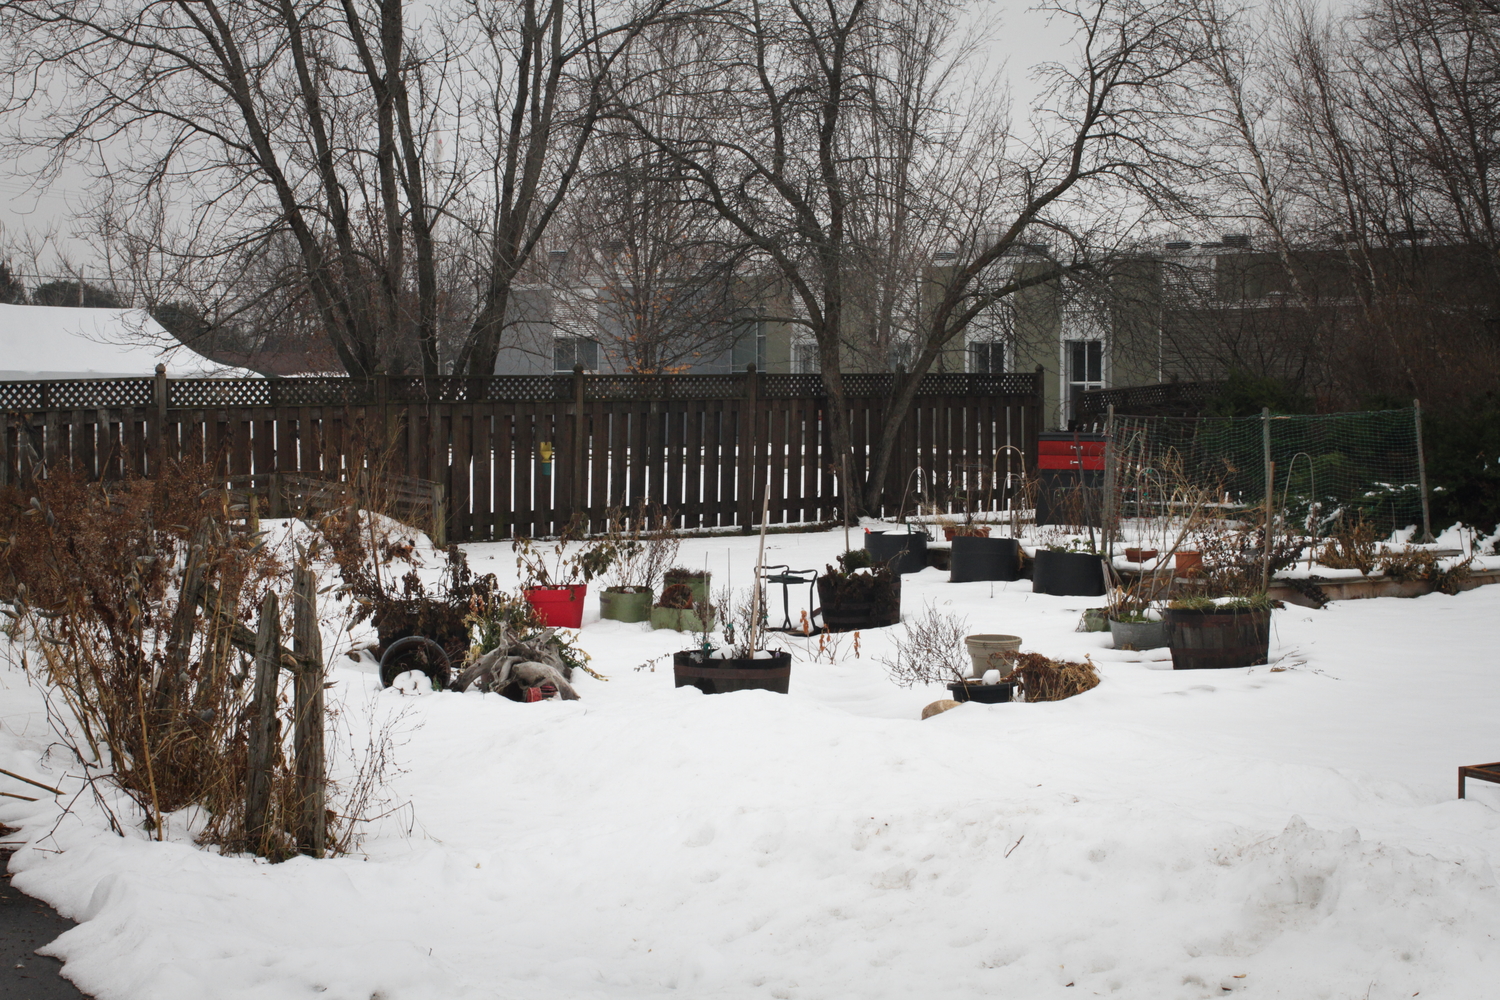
(908, 549)
(1067, 574)
(770, 672)
(976, 558)
(1218, 638)
(853, 604)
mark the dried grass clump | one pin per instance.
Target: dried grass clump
(1409, 564)
(1045, 679)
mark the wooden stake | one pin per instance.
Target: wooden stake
(264, 732)
(307, 647)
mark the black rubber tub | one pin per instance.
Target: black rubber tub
(1067, 574)
(977, 558)
(771, 672)
(1218, 639)
(857, 603)
(984, 694)
(909, 546)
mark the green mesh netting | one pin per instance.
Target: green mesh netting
(1362, 465)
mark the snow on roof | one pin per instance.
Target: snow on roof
(47, 342)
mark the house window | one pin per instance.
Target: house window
(805, 357)
(1085, 370)
(750, 347)
(987, 357)
(570, 351)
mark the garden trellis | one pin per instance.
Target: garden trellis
(1365, 465)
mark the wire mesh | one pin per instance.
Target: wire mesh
(1362, 465)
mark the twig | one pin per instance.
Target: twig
(1015, 845)
(13, 795)
(12, 774)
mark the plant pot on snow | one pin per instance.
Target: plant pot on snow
(695, 580)
(985, 649)
(558, 607)
(979, 558)
(766, 672)
(908, 549)
(1067, 574)
(1218, 637)
(858, 595)
(625, 604)
(1139, 555)
(983, 694)
(1189, 564)
(681, 619)
(1138, 635)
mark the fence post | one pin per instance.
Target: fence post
(264, 733)
(158, 446)
(1426, 539)
(749, 424)
(1108, 505)
(307, 646)
(1265, 440)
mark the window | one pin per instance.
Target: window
(1085, 370)
(570, 351)
(750, 347)
(987, 357)
(805, 357)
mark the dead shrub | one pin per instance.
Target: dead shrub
(93, 575)
(1353, 545)
(929, 650)
(1044, 679)
(1409, 564)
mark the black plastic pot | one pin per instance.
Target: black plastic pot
(770, 672)
(976, 558)
(1067, 574)
(984, 694)
(1218, 639)
(415, 652)
(859, 603)
(909, 546)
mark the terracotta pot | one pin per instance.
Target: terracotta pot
(1140, 555)
(1189, 563)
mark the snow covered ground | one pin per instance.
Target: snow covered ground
(1283, 831)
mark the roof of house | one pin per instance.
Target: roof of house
(52, 342)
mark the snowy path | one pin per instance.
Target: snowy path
(1273, 834)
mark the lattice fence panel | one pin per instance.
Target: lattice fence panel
(218, 392)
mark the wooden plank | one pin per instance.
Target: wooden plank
(776, 445)
(694, 412)
(598, 445)
(482, 516)
(502, 442)
(311, 766)
(461, 494)
(521, 470)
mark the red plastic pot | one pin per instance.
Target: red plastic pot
(558, 607)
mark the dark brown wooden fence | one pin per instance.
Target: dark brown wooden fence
(706, 446)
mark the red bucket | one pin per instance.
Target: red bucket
(558, 607)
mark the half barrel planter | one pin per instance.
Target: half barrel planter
(908, 549)
(977, 558)
(558, 607)
(772, 672)
(1067, 574)
(1218, 639)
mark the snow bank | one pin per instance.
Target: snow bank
(1282, 831)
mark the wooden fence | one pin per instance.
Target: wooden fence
(705, 446)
